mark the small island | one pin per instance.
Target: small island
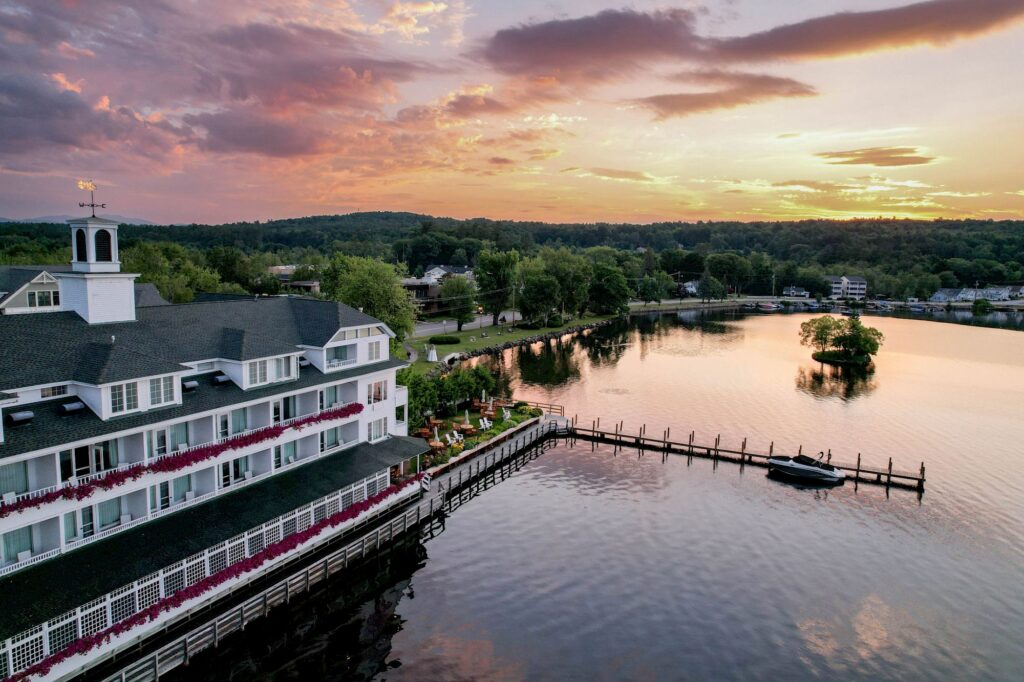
(841, 342)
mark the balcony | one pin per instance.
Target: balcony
(338, 364)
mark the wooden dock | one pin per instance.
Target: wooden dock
(858, 472)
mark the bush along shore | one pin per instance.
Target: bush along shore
(446, 366)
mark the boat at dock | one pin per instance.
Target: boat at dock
(768, 307)
(805, 468)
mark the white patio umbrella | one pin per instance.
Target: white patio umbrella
(467, 416)
(436, 437)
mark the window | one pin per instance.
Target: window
(223, 426)
(53, 391)
(376, 392)
(377, 429)
(161, 390)
(284, 454)
(14, 478)
(284, 409)
(233, 471)
(160, 496)
(124, 397)
(43, 299)
(283, 368)
(239, 422)
(74, 463)
(181, 486)
(104, 456)
(329, 439)
(157, 443)
(364, 332)
(257, 372)
(109, 512)
(179, 436)
(70, 526)
(328, 397)
(400, 413)
(374, 349)
(16, 542)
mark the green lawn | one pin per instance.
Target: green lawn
(473, 340)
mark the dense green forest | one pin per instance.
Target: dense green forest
(899, 257)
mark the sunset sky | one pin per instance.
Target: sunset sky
(209, 111)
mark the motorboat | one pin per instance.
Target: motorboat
(768, 307)
(805, 468)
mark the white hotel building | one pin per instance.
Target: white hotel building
(95, 381)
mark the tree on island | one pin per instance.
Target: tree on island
(458, 296)
(841, 341)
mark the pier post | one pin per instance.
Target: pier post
(888, 479)
(800, 451)
(771, 448)
(920, 482)
(856, 475)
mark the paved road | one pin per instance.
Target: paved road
(430, 328)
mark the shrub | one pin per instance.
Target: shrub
(443, 340)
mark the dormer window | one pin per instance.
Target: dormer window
(283, 368)
(124, 398)
(258, 372)
(161, 391)
(374, 351)
(43, 299)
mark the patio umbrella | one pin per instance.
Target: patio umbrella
(467, 416)
(436, 437)
(483, 396)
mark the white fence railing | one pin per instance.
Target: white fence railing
(29, 647)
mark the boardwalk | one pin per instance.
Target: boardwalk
(857, 472)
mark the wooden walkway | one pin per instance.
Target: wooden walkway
(858, 472)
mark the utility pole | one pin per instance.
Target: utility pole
(773, 284)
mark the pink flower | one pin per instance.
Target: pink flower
(169, 603)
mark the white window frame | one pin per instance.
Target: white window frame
(124, 397)
(283, 368)
(161, 391)
(371, 387)
(53, 391)
(258, 373)
(377, 429)
(373, 351)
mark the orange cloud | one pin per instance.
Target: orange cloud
(736, 89)
(878, 156)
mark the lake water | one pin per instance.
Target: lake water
(593, 565)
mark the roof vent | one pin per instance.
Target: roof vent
(70, 408)
(22, 417)
(221, 379)
(190, 385)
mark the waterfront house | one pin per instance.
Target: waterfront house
(796, 291)
(425, 291)
(944, 296)
(988, 294)
(146, 446)
(847, 286)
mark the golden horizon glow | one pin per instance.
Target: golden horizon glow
(734, 111)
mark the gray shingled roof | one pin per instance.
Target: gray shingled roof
(13, 277)
(51, 429)
(57, 347)
(147, 295)
(42, 592)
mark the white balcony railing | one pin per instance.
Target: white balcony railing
(337, 364)
(34, 559)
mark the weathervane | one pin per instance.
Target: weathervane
(91, 186)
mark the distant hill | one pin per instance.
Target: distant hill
(63, 218)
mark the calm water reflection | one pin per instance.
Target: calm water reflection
(592, 565)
